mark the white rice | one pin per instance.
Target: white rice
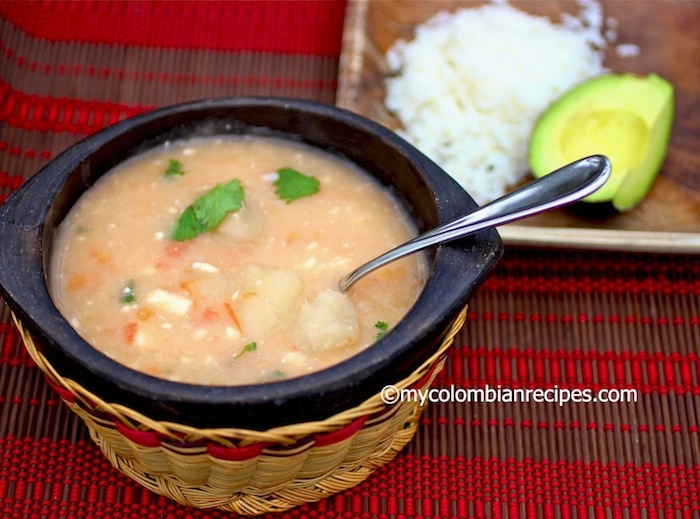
(470, 85)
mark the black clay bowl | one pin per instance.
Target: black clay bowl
(30, 216)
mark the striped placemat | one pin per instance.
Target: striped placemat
(547, 325)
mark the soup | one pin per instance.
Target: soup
(216, 260)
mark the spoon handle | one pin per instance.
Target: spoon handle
(561, 187)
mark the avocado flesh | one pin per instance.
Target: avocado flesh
(623, 116)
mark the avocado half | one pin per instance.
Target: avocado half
(624, 116)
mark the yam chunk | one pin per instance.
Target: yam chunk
(243, 226)
(269, 296)
(328, 322)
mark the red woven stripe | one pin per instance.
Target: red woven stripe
(647, 372)
(9, 330)
(10, 181)
(477, 367)
(586, 272)
(604, 285)
(144, 438)
(236, 454)
(32, 112)
(41, 477)
(631, 431)
(505, 488)
(165, 78)
(60, 391)
(341, 434)
(310, 27)
(29, 153)
(552, 318)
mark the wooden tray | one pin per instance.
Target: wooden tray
(668, 34)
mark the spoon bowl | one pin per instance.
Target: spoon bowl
(564, 186)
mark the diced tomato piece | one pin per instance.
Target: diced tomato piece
(209, 315)
(176, 249)
(130, 330)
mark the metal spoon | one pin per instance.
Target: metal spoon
(563, 186)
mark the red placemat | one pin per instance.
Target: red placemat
(600, 324)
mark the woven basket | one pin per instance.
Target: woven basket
(246, 471)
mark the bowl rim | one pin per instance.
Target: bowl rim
(345, 376)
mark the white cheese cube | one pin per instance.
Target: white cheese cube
(204, 267)
(168, 302)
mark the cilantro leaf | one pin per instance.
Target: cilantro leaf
(212, 208)
(383, 328)
(209, 210)
(174, 168)
(251, 346)
(129, 292)
(187, 226)
(292, 185)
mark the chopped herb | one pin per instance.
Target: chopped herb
(129, 292)
(273, 376)
(251, 346)
(383, 329)
(174, 168)
(209, 210)
(82, 229)
(292, 185)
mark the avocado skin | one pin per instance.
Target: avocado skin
(625, 116)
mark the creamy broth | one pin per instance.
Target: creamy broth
(251, 299)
